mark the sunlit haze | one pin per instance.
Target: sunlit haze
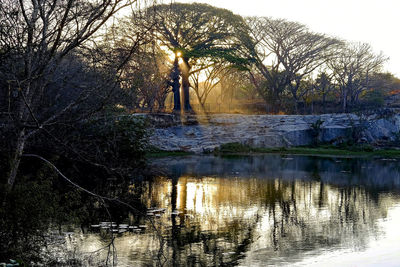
(371, 21)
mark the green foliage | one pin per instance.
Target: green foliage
(155, 152)
(161, 154)
(327, 150)
(233, 148)
(353, 147)
(200, 31)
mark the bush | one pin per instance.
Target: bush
(233, 148)
(316, 131)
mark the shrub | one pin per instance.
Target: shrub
(316, 131)
(234, 147)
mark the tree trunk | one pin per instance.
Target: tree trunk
(296, 104)
(19, 150)
(276, 105)
(186, 86)
(294, 90)
(344, 101)
(177, 96)
(176, 86)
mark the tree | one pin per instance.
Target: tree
(352, 70)
(147, 83)
(323, 87)
(206, 78)
(381, 86)
(286, 52)
(195, 31)
(144, 76)
(384, 81)
(36, 39)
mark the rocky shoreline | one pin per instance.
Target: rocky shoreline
(200, 134)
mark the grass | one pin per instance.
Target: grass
(163, 153)
(154, 152)
(358, 150)
(232, 149)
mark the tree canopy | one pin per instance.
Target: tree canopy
(196, 31)
(285, 52)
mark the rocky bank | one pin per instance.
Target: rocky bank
(204, 133)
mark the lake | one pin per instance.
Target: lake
(261, 210)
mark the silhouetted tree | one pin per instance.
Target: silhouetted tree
(352, 70)
(195, 31)
(36, 39)
(323, 87)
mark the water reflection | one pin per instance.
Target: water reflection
(260, 210)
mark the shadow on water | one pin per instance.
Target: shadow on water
(250, 211)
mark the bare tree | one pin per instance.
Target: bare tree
(144, 76)
(286, 52)
(36, 37)
(352, 71)
(323, 86)
(206, 78)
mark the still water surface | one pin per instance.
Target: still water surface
(265, 210)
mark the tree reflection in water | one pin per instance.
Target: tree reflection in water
(260, 210)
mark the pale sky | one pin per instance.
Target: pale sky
(376, 22)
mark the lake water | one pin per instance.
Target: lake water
(262, 210)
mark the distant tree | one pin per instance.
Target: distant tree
(195, 31)
(352, 70)
(236, 84)
(147, 83)
(206, 78)
(144, 75)
(286, 52)
(272, 88)
(385, 82)
(381, 86)
(374, 98)
(323, 86)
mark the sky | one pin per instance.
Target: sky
(376, 22)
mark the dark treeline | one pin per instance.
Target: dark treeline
(61, 78)
(70, 70)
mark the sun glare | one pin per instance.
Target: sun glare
(172, 55)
